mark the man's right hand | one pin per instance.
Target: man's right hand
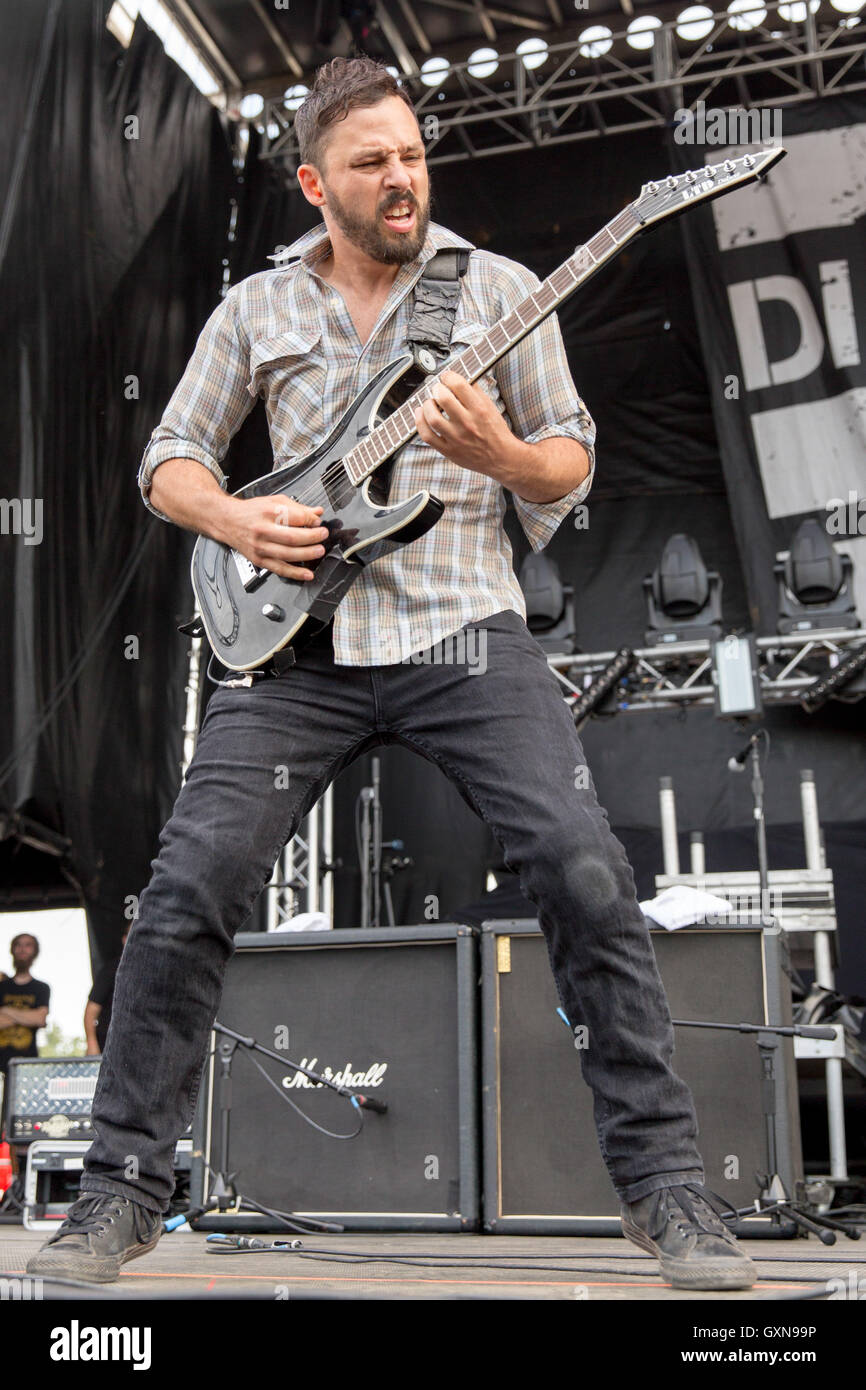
(276, 533)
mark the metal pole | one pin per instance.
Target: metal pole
(696, 853)
(327, 881)
(193, 688)
(366, 797)
(761, 832)
(811, 823)
(824, 976)
(314, 857)
(376, 874)
(668, 809)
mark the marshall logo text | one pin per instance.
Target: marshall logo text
(373, 1076)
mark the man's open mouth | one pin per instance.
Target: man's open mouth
(400, 217)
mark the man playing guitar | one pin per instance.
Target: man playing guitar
(306, 336)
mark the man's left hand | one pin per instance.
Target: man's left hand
(474, 434)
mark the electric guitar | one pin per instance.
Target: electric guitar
(250, 614)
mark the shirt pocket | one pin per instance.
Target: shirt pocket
(286, 353)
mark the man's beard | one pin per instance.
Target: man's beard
(383, 245)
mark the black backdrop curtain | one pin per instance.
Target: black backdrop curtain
(114, 251)
(114, 254)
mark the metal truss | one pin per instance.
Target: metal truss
(578, 98)
(302, 881)
(679, 675)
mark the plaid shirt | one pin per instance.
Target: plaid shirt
(286, 334)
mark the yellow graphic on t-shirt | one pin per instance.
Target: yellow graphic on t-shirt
(16, 1035)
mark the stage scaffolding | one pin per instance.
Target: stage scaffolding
(574, 96)
(679, 674)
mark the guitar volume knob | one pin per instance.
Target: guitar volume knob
(274, 612)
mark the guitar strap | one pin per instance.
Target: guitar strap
(431, 318)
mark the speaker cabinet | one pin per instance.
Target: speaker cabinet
(542, 1166)
(392, 1010)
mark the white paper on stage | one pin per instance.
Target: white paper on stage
(682, 906)
(305, 921)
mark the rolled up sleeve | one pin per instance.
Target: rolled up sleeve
(542, 403)
(209, 404)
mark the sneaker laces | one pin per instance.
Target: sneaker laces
(690, 1197)
(95, 1213)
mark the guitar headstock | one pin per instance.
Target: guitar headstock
(680, 191)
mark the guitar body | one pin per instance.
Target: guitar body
(248, 614)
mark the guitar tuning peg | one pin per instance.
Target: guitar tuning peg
(670, 181)
(730, 166)
(652, 187)
(749, 161)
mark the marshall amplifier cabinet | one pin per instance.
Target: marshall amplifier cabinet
(49, 1098)
(389, 1012)
(542, 1167)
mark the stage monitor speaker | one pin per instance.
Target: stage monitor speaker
(392, 1013)
(542, 1167)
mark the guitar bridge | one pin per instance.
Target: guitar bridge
(250, 575)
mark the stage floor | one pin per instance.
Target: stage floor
(437, 1266)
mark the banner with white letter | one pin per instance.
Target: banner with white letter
(778, 274)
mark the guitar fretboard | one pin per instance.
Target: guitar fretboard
(474, 361)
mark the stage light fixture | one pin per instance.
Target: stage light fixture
(640, 34)
(695, 23)
(293, 97)
(434, 71)
(746, 15)
(815, 583)
(251, 106)
(595, 41)
(483, 62)
(273, 130)
(533, 52)
(848, 6)
(683, 597)
(796, 13)
(549, 604)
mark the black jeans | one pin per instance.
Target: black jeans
(494, 720)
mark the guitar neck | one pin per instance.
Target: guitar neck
(474, 361)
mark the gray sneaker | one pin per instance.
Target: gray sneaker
(101, 1232)
(681, 1226)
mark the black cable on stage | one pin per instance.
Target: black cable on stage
(505, 1262)
(281, 1093)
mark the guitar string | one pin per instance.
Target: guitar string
(332, 474)
(423, 394)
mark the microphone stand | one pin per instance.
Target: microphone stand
(736, 764)
(224, 1195)
(770, 1202)
(760, 828)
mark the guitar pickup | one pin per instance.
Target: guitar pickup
(250, 575)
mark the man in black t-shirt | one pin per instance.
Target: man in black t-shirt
(23, 1003)
(97, 1013)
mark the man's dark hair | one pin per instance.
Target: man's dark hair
(22, 936)
(341, 85)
